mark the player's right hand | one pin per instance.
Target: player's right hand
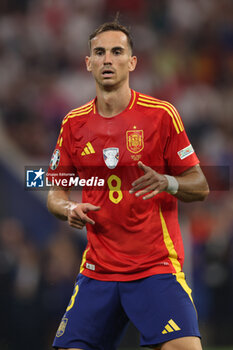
(77, 214)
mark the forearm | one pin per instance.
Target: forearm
(58, 203)
(192, 186)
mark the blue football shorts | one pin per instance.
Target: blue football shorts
(160, 307)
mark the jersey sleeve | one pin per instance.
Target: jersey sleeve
(61, 167)
(178, 151)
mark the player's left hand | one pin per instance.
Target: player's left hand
(151, 181)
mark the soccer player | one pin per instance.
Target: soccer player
(132, 266)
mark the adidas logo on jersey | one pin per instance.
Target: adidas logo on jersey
(88, 149)
(170, 327)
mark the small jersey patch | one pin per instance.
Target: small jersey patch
(111, 156)
(185, 152)
(90, 266)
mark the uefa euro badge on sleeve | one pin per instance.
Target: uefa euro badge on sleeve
(55, 159)
(111, 156)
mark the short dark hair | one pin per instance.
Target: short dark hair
(115, 26)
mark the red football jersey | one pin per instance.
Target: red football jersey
(132, 238)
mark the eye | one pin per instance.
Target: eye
(117, 52)
(99, 53)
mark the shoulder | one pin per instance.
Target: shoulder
(78, 113)
(164, 110)
(154, 103)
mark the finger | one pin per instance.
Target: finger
(86, 220)
(141, 179)
(144, 167)
(146, 190)
(79, 217)
(78, 226)
(141, 185)
(90, 207)
(76, 220)
(79, 213)
(76, 223)
(150, 195)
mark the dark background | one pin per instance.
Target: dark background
(185, 56)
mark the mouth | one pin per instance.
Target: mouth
(107, 73)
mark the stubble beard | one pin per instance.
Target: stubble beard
(109, 85)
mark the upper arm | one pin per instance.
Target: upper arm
(196, 169)
(178, 152)
(61, 168)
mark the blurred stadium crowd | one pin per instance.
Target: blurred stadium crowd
(185, 56)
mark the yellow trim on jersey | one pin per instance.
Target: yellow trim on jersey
(83, 260)
(155, 101)
(162, 107)
(165, 103)
(75, 113)
(69, 116)
(79, 112)
(60, 139)
(148, 97)
(180, 277)
(80, 108)
(172, 254)
(134, 98)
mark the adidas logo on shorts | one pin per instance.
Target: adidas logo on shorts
(171, 326)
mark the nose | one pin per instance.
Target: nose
(107, 58)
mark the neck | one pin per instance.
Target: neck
(112, 102)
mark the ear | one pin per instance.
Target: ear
(132, 63)
(88, 63)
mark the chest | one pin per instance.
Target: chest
(117, 141)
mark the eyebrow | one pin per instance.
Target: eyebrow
(113, 48)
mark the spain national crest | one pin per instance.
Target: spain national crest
(135, 140)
